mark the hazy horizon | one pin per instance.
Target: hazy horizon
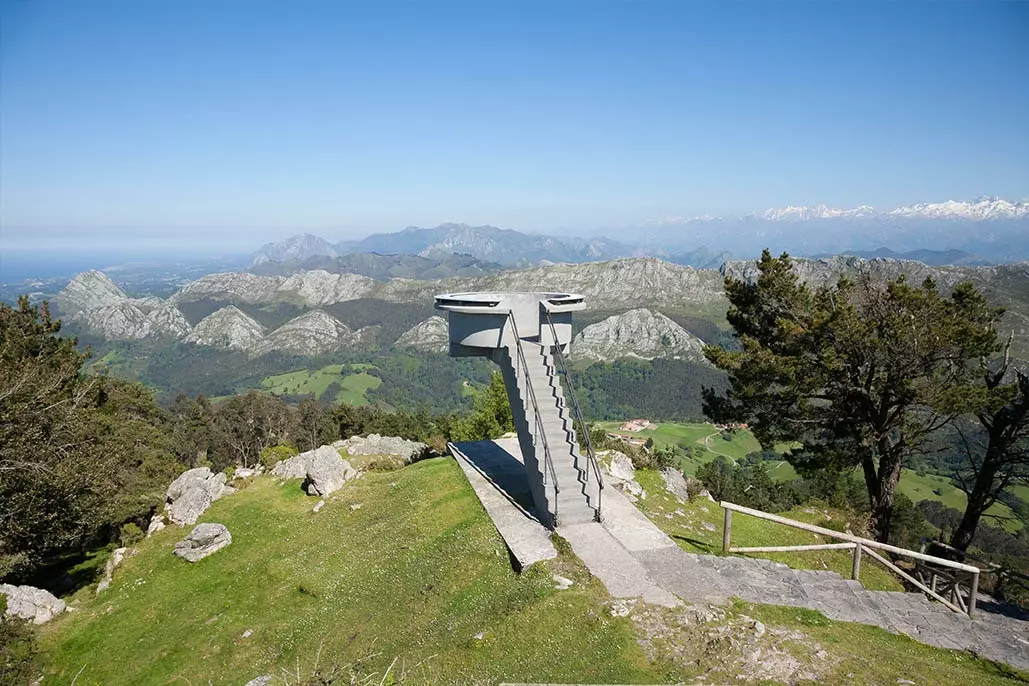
(178, 124)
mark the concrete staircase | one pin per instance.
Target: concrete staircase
(575, 497)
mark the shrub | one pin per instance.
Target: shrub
(273, 454)
(131, 534)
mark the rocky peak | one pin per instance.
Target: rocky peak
(228, 327)
(312, 333)
(294, 249)
(637, 333)
(432, 335)
(87, 291)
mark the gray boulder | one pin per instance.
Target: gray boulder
(322, 470)
(260, 681)
(374, 444)
(619, 467)
(326, 471)
(293, 468)
(29, 602)
(188, 507)
(192, 493)
(203, 540)
(200, 477)
(675, 483)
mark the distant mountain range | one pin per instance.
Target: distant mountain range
(984, 231)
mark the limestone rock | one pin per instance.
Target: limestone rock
(112, 563)
(156, 524)
(326, 471)
(231, 287)
(374, 444)
(261, 681)
(312, 333)
(293, 468)
(192, 493)
(317, 287)
(187, 508)
(203, 540)
(199, 477)
(29, 602)
(228, 327)
(432, 335)
(638, 333)
(322, 469)
(675, 483)
(619, 467)
(87, 291)
(167, 320)
(122, 320)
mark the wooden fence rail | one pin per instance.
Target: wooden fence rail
(859, 545)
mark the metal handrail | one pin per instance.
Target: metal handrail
(590, 455)
(859, 545)
(536, 410)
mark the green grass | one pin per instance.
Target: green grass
(689, 531)
(416, 574)
(316, 382)
(942, 489)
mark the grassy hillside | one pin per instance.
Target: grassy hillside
(403, 573)
(353, 386)
(416, 573)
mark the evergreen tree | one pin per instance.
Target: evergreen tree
(859, 373)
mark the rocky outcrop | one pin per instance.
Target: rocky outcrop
(322, 469)
(622, 475)
(29, 602)
(312, 333)
(228, 327)
(192, 493)
(637, 333)
(317, 288)
(326, 471)
(123, 320)
(432, 335)
(230, 287)
(166, 320)
(204, 540)
(675, 483)
(88, 291)
(374, 444)
(112, 563)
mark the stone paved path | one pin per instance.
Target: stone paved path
(634, 558)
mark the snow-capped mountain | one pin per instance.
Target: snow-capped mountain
(981, 209)
(791, 213)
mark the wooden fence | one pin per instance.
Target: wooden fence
(962, 576)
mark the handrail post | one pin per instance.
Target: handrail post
(972, 593)
(855, 565)
(726, 531)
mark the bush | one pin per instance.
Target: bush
(748, 485)
(131, 534)
(274, 454)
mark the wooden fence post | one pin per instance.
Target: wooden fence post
(855, 566)
(973, 591)
(726, 531)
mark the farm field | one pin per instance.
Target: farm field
(303, 382)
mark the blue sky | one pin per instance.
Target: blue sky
(167, 122)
